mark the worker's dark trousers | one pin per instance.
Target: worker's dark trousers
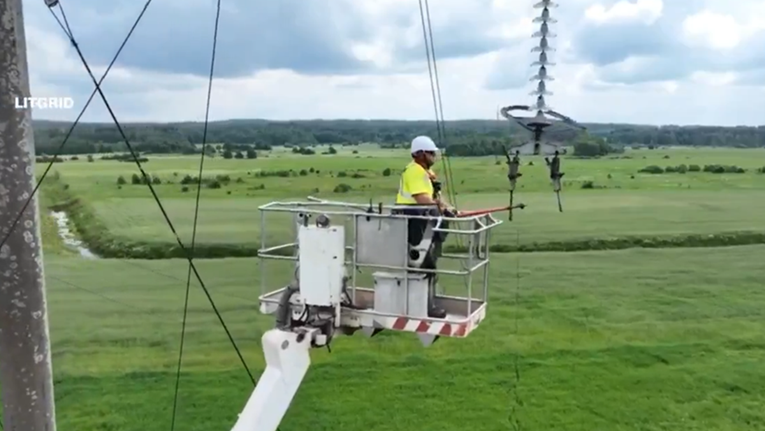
(416, 228)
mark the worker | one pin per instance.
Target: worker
(418, 186)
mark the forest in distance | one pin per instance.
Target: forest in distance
(462, 137)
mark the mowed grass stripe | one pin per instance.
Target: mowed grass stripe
(587, 216)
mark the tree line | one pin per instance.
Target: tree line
(463, 138)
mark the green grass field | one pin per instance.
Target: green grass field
(629, 204)
(639, 339)
(628, 340)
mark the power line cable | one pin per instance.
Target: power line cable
(438, 107)
(134, 154)
(172, 277)
(440, 110)
(196, 215)
(430, 71)
(435, 90)
(60, 148)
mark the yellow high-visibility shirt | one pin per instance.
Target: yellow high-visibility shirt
(414, 180)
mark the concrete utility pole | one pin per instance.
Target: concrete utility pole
(25, 365)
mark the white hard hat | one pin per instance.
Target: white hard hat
(423, 143)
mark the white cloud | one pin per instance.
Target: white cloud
(399, 88)
(714, 79)
(713, 30)
(724, 25)
(645, 11)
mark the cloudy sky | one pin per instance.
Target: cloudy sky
(636, 61)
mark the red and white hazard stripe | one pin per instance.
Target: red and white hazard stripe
(439, 327)
(428, 327)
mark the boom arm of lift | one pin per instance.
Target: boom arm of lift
(287, 361)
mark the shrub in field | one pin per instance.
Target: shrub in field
(591, 147)
(48, 159)
(125, 158)
(303, 150)
(121, 180)
(653, 169)
(303, 172)
(156, 180)
(90, 158)
(761, 170)
(679, 169)
(281, 174)
(135, 179)
(588, 185)
(184, 189)
(724, 169)
(342, 174)
(342, 188)
(694, 168)
(386, 172)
